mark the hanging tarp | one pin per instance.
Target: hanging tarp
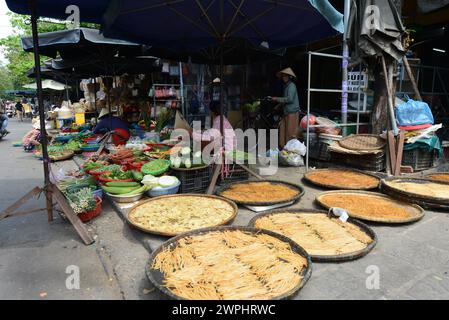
(375, 28)
(47, 84)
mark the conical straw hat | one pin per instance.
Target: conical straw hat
(287, 71)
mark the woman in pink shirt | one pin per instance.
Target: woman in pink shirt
(32, 138)
(214, 134)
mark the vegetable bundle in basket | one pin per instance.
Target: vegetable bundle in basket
(186, 158)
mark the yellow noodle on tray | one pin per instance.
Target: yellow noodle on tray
(230, 264)
(429, 189)
(317, 233)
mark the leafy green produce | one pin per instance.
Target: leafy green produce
(155, 167)
(138, 176)
(73, 144)
(123, 184)
(111, 168)
(92, 165)
(119, 174)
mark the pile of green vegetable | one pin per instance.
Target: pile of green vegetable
(124, 189)
(155, 167)
(251, 107)
(82, 200)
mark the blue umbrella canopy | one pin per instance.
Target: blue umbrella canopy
(197, 24)
(192, 25)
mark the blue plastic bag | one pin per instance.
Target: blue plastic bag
(413, 113)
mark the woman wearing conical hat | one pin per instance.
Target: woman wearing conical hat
(290, 121)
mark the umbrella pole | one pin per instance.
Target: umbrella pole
(345, 62)
(220, 160)
(37, 67)
(67, 91)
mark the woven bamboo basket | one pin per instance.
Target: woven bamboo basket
(388, 189)
(156, 277)
(309, 177)
(298, 237)
(64, 156)
(300, 190)
(171, 234)
(414, 212)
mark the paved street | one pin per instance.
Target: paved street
(412, 261)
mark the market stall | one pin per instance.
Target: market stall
(159, 188)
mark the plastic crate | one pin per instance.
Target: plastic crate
(194, 180)
(236, 174)
(368, 162)
(419, 159)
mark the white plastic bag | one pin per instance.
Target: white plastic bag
(296, 146)
(291, 159)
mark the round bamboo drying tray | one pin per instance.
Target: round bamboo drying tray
(438, 176)
(388, 189)
(341, 186)
(157, 278)
(64, 156)
(171, 234)
(264, 203)
(362, 142)
(415, 212)
(324, 258)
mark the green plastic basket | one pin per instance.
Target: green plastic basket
(17, 144)
(162, 165)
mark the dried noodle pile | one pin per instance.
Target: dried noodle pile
(343, 178)
(317, 233)
(430, 189)
(260, 192)
(231, 264)
(366, 206)
(439, 177)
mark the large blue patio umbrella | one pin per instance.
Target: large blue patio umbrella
(192, 25)
(198, 24)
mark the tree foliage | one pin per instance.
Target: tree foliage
(19, 61)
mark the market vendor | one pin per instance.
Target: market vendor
(213, 134)
(108, 122)
(290, 101)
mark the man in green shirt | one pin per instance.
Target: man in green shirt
(289, 123)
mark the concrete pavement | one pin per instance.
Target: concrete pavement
(34, 254)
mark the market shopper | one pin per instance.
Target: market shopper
(19, 110)
(108, 122)
(33, 137)
(290, 121)
(3, 119)
(27, 109)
